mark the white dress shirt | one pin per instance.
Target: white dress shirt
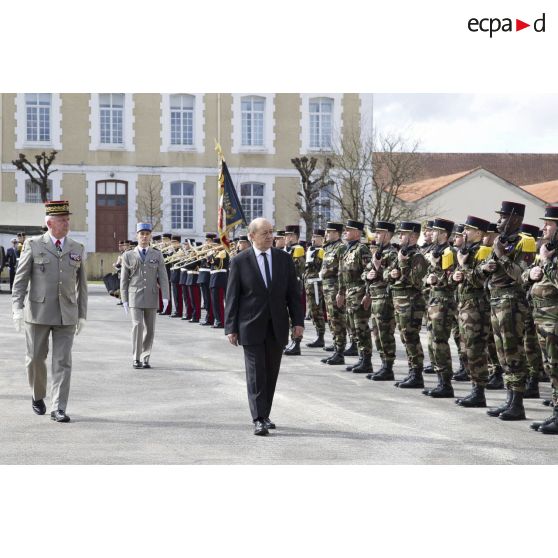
(55, 239)
(261, 265)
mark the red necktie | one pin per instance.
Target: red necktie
(58, 247)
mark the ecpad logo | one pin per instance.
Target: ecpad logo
(493, 25)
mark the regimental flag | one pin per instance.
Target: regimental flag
(229, 210)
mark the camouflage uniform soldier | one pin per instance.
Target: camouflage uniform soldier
(295, 249)
(531, 345)
(426, 247)
(383, 316)
(473, 308)
(461, 375)
(333, 252)
(508, 307)
(352, 291)
(405, 276)
(313, 285)
(495, 372)
(441, 306)
(543, 277)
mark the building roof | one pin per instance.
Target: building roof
(547, 191)
(517, 168)
(417, 190)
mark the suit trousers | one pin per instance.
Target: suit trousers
(37, 338)
(262, 369)
(142, 341)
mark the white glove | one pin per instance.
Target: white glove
(165, 304)
(18, 319)
(125, 306)
(79, 325)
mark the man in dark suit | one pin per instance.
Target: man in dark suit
(12, 257)
(262, 293)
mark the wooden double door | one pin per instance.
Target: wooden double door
(111, 210)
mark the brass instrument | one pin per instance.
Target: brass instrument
(192, 255)
(174, 257)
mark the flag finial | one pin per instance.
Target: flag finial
(219, 150)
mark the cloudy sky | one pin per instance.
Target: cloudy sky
(471, 122)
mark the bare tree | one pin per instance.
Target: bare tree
(150, 201)
(372, 174)
(39, 172)
(312, 181)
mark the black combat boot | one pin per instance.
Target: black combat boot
(475, 399)
(365, 366)
(515, 411)
(461, 375)
(498, 410)
(329, 348)
(496, 380)
(293, 349)
(319, 342)
(404, 379)
(352, 350)
(427, 390)
(550, 427)
(385, 373)
(445, 390)
(369, 376)
(349, 368)
(532, 388)
(414, 381)
(544, 377)
(428, 369)
(548, 403)
(538, 423)
(337, 358)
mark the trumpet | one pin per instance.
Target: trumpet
(192, 255)
(174, 257)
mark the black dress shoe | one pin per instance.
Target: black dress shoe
(59, 416)
(194, 320)
(268, 424)
(137, 364)
(260, 428)
(217, 325)
(187, 318)
(146, 363)
(39, 407)
(175, 316)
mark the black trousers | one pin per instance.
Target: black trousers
(262, 369)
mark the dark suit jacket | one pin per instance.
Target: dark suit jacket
(12, 256)
(249, 305)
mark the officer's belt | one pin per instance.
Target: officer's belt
(405, 292)
(502, 291)
(479, 294)
(193, 272)
(204, 269)
(218, 271)
(313, 280)
(544, 302)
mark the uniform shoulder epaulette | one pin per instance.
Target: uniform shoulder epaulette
(447, 258)
(527, 244)
(298, 251)
(483, 252)
(321, 253)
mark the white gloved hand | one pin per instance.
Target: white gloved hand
(79, 325)
(18, 319)
(125, 306)
(165, 304)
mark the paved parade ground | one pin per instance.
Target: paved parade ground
(191, 407)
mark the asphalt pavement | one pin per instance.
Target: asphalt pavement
(192, 408)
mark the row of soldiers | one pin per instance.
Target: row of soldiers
(492, 286)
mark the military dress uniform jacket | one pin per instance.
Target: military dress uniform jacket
(138, 282)
(57, 282)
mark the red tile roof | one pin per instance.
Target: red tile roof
(417, 190)
(547, 191)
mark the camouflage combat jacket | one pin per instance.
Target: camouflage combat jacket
(313, 262)
(352, 265)
(472, 285)
(388, 256)
(544, 293)
(412, 275)
(333, 252)
(441, 260)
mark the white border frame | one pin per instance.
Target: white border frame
(21, 177)
(199, 125)
(268, 148)
(95, 127)
(268, 181)
(55, 124)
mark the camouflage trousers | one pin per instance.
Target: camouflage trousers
(409, 311)
(546, 322)
(459, 342)
(316, 306)
(442, 313)
(357, 319)
(532, 348)
(507, 314)
(336, 317)
(492, 354)
(383, 326)
(474, 329)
